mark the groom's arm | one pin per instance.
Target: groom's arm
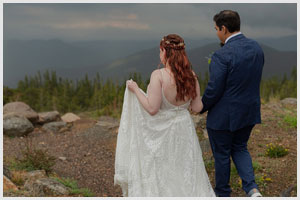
(217, 80)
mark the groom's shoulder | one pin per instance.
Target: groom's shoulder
(222, 53)
(254, 45)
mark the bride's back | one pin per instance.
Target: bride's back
(169, 90)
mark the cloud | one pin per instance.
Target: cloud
(141, 21)
(87, 24)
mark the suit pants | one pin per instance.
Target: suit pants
(224, 144)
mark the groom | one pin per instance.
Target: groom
(232, 100)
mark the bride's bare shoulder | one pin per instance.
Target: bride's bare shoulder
(156, 74)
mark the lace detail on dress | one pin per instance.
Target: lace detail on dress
(159, 155)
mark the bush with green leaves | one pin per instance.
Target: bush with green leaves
(35, 159)
(276, 151)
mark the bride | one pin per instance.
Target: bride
(158, 152)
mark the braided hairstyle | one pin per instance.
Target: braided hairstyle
(180, 66)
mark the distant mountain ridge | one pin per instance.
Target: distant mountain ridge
(144, 62)
(113, 59)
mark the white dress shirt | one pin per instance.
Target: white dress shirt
(232, 36)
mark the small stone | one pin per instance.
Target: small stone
(62, 158)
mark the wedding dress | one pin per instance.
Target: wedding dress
(159, 155)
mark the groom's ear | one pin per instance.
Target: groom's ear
(224, 29)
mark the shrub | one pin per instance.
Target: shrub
(275, 151)
(35, 159)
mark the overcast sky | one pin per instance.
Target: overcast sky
(97, 21)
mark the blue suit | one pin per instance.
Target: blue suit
(232, 99)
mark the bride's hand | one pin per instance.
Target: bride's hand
(132, 86)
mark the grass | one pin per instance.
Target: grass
(291, 121)
(72, 185)
(256, 167)
(209, 164)
(34, 159)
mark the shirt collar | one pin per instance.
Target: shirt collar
(232, 36)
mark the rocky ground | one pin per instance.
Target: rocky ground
(87, 153)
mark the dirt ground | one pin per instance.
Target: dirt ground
(90, 150)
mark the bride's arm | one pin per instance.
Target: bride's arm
(151, 103)
(196, 104)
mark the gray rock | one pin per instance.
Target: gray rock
(34, 175)
(54, 126)
(108, 122)
(70, 117)
(46, 117)
(62, 158)
(15, 125)
(289, 101)
(21, 109)
(287, 192)
(46, 187)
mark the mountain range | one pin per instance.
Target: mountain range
(116, 59)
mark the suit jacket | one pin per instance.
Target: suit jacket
(232, 96)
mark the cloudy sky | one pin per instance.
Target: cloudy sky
(97, 21)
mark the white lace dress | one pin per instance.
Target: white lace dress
(159, 155)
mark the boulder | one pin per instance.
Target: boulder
(46, 187)
(108, 122)
(54, 126)
(45, 117)
(287, 192)
(15, 125)
(289, 101)
(34, 175)
(69, 117)
(21, 109)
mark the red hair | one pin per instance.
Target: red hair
(180, 66)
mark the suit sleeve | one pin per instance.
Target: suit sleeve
(216, 84)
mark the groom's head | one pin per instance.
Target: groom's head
(227, 22)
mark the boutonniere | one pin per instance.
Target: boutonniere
(209, 57)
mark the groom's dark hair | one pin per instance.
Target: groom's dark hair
(230, 19)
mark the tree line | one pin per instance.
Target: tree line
(49, 92)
